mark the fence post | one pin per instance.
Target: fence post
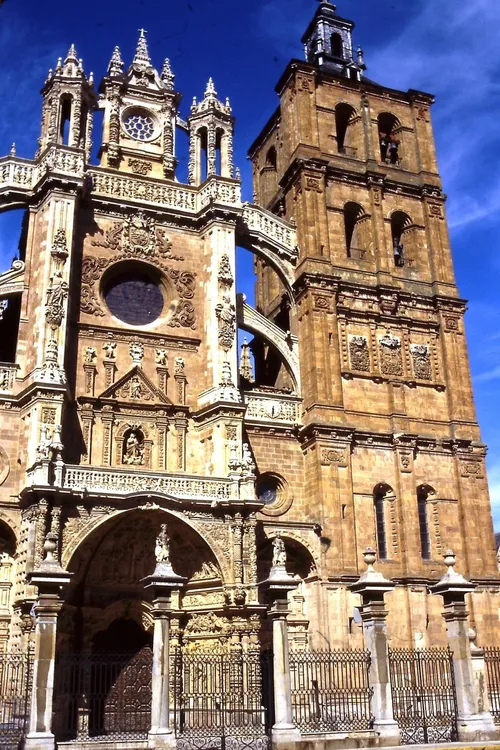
(49, 578)
(277, 586)
(163, 581)
(473, 725)
(372, 586)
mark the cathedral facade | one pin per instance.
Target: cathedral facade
(126, 401)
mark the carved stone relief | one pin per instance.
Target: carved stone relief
(226, 315)
(422, 366)
(391, 360)
(359, 353)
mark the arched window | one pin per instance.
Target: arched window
(389, 142)
(353, 214)
(337, 46)
(65, 120)
(344, 116)
(379, 496)
(423, 493)
(400, 222)
(271, 158)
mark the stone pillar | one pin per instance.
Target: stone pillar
(49, 578)
(163, 581)
(277, 586)
(474, 725)
(372, 586)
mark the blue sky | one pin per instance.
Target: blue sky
(447, 47)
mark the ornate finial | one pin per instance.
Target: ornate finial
(194, 104)
(115, 67)
(370, 558)
(210, 91)
(167, 76)
(49, 75)
(228, 105)
(361, 60)
(450, 560)
(72, 56)
(59, 64)
(279, 551)
(13, 149)
(91, 79)
(246, 370)
(141, 56)
(237, 174)
(162, 548)
(49, 547)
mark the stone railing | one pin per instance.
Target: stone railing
(16, 174)
(126, 482)
(22, 175)
(7, 377)
(218, 190)
(130, 188)
(272, 407)
(271, 228)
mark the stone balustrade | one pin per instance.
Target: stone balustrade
(273, 229)
(22, 175)
(124, 482)
(7, 377)
(272, 407)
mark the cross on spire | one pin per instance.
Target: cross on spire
(141, 56)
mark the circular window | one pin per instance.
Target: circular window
(134, 297)
(139, 125)
(272, 491)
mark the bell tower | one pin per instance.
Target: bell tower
(211, 128)
(140, 110)
(328, 43)
(69, 102)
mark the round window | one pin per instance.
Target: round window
(268, 488)
(139, 125)
(134, 297)
(272, 491)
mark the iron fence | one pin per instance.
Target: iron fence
(423, 695)
(330, 691)
(492, 663)
(103, 696)
(218, 701)
(16, 672)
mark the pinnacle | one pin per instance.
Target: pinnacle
(142, 53)
(166, 74)
(210, 90)
(115, 67)
(72, 55)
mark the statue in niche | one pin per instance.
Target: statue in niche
(133, 451)
(226, 315)
(162, 548)
(279, 552)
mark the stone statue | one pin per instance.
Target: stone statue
(56, 297)
(134, 450)
(90, 355)
(135, 387)
(162, 357)
(226, 315)
(279, 552)
(109, 349)
(162, 549)
(179, 366)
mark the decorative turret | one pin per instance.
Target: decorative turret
(211, 128)
(328, 43)
(69, 103)
(140, 110)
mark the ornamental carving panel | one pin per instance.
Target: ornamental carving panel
(422, 366)
(391, 359)
(359, 354)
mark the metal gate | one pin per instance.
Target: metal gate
(423, 695)
(218, 701)
(103, 696)
(492, 663)
(15, 692)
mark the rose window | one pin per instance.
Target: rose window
(140, 125)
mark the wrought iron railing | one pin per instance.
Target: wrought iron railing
(492, 663)
(423, 695)
(102, 697)
(218, 697)
(330, 691)
(15, 693)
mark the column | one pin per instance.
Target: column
(277, 586)
(473, 725)
(49, 578)
(163, 581)
(372, 586)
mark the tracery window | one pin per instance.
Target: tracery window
(139, 125)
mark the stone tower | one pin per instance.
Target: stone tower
(389, 452)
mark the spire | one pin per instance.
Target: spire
(246, 371)
(141, 56)
(167, 76)
(210, 92)
(72, 55)
(115, 67)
